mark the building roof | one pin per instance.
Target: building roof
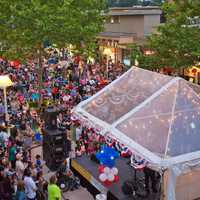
(136, 10)
(116, 34)
(122, 37)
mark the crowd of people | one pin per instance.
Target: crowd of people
(63, 86)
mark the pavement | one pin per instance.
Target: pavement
(80, 194)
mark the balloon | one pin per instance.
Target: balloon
(112, 157)
(111, 177)
(101, 169)
(116, 179)
(102, 177)
(106, 170)
(114, 171)
(107, 156)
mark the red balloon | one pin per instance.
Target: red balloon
(107, 183)
(116, 179)
(101, 168)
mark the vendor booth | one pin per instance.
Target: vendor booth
(158, 118)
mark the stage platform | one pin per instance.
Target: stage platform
(88, 170)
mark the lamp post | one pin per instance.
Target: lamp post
(4, 83)
(107, 52)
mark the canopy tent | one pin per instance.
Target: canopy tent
(156, 116)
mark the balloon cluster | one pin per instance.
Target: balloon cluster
(108, 175)
(107, 157)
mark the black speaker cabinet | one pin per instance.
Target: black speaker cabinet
(56, 148)
(50, 117)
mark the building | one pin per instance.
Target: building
(125, 26)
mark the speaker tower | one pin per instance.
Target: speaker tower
(56, 146)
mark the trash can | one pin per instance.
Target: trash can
(101, 197)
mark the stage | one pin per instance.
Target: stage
(88, 172)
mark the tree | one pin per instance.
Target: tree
(177, 42)
(26, 24)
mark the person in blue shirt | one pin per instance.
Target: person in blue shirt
(38, 163)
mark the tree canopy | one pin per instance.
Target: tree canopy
(26, 24)
(177, 42)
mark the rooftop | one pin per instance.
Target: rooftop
(136, 10)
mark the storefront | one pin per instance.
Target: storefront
(118, 44)
(110, 46)
(192, 74)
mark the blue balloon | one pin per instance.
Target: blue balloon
(107, 156)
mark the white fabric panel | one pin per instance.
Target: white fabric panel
(126, 94)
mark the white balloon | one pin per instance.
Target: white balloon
(62, 185)
(111, 177)
(106, 170)
(103, 177)
(114, 171)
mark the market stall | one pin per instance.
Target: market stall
(156, 117)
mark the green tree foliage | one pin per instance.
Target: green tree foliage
(177, 43)
(26, 24)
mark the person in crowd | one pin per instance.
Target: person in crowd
(12, 152)
(40, 181)
(30, 186)
(20, 167)
(8, 185)
(38, 163)
(54, 192)
(20, 194)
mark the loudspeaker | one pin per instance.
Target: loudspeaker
(50, 117)
(127, 187)
(56, 148)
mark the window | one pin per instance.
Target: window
(115, 20)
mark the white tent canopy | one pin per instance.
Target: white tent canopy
(157, 113)
(156, 116)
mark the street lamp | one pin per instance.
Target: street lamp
(108, 53)
(4, 83)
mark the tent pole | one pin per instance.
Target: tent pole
(162, 186)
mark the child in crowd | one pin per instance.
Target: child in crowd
(38, 163)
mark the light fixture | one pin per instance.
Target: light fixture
(5, 81)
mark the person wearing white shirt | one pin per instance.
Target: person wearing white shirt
(30, 187)
(19, 167)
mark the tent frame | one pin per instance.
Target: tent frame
(175, 165)
(159, 162)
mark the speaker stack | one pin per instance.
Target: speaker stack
(56, 147)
